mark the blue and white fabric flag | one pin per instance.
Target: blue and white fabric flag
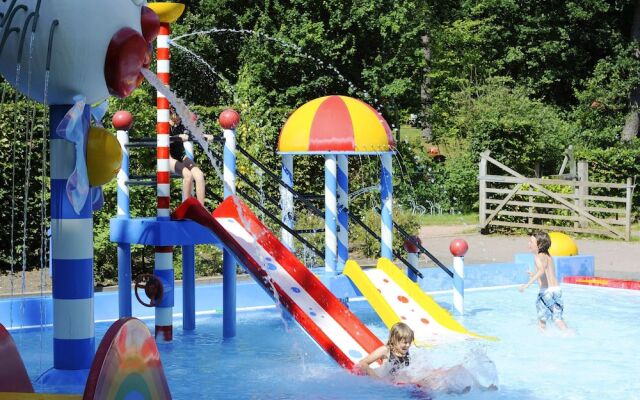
(98, 112)
(74, 128)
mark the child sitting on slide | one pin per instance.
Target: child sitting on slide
(396, 362)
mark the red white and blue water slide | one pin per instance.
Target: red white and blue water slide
(329, 322)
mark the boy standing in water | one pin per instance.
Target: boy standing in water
(549, 303)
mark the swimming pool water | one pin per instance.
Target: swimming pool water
(274, 359)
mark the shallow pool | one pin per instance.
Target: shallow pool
(272, 358)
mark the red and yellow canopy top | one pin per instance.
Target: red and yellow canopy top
(336, 124)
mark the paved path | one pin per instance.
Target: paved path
(613, 259)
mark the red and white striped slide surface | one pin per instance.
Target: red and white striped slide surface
(329, 322)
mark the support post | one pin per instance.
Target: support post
(72, 257)
(330, 214)
(413, 256)
(188, 288)
(458, 248)
(343, 206)
(386, 192)
(627, 214)
(483, 188)
(582, 190)
(163, 254)
(286, 197)
(229, 119)
(122, 121)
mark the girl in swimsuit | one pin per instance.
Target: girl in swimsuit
(396, 360)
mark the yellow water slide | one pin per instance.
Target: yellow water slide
(398, 299)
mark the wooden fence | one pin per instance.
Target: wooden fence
(513, 200)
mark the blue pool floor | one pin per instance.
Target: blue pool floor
(272, 358)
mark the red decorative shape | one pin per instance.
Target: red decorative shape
(424, 321)
(125, 58)
(332, 128)
(458, 247)
(13, 374)
(122, 120)
(229, 119)
(602, 282)
(410, 245)
(148, 57)
(403, 299)
(150, 24)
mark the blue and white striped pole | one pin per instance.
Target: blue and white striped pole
(330, 214)
(343, 206)
(229, 119)
(458, 248)
(189, 269)
(72, 257)
(122, 121)
(386, 193)
(287, 201)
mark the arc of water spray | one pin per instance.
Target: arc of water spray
(353, 88)
(228, 86)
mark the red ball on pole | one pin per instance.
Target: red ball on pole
(229, 119)
(410, 245)
(458, 247)
(122, 120)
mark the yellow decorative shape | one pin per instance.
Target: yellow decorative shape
(294, 136)
(562, 245)
(408, 289)
(368, 131)
(167, 12)
(373, 296)
(104, 156)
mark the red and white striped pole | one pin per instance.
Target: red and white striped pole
(164, 254)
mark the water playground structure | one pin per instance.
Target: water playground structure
(70, 72)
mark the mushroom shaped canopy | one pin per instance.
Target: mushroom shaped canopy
(336, 124)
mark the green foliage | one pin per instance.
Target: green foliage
(361, 242)
(614, 164)
(519, 131)
(520, 79)
(23, 192)
(603, 102)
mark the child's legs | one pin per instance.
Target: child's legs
(187, 179)
(198, 177)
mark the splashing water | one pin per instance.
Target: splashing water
(227, 85)
(297, 49)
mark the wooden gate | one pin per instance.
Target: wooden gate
(510, 199)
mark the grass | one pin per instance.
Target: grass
(449, 219)
(410, 133)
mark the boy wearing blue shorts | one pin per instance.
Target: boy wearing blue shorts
(549, 302)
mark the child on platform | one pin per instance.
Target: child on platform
(396, 361)
(180, 163)
(549, 303)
